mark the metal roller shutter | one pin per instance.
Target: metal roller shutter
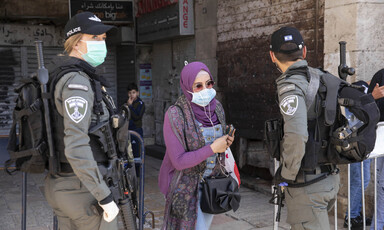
(10, 73)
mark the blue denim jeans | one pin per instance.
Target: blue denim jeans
(355, 171)
(204, 220)
(380, 195)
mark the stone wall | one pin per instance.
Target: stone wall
(246, 73)
(359, 23)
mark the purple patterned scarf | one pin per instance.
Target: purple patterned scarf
(181, 204)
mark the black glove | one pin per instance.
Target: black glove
(277, 179)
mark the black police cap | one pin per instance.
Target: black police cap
(86, 23)
(286, 35)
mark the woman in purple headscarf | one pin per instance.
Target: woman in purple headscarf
(194, 135)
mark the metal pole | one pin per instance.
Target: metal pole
(349, 197)
(375, 189)
(141, 181)
(362, 192)
(24, 202)
(275, 223)
(55, 224)
(336, 213)
(142, 171)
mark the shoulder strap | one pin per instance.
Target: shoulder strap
(97, 107)
(332, 84)
(313, 87)
(56, 76)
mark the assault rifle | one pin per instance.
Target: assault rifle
(119, 173)
(344, 70)
(278, 198)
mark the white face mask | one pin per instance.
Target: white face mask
(203, 97)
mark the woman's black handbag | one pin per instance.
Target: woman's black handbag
(219, 194)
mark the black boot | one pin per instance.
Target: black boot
(356, 223)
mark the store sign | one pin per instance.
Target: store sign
(12, 34)
(169, 22)
(148, 6)
(107, 11)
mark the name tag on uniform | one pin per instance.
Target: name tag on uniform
(287, 88)
(78, 86)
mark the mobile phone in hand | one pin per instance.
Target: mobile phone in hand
(230, 130)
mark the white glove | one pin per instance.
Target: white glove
(110, 211)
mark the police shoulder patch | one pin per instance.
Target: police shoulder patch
(76, 108)
(289, 104)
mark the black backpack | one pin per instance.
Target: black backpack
(28, 145)
(353, 133)
(344, 129)
(347, 131)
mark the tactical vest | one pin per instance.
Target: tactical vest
(331, 140)
(76, 65)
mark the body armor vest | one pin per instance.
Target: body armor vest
(76, 65)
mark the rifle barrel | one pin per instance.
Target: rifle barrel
(43, 76)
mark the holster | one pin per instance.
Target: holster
(273, 135)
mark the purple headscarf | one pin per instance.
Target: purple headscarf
(188, 76)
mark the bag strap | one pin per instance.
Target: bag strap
(332, 84)
(348, 102)
(39, 150)
(313, 87)
(36, 105)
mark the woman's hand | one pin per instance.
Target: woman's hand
(220, 144)
(230, 139)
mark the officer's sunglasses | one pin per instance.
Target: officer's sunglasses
(197, 87)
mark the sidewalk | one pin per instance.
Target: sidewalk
(254, 213)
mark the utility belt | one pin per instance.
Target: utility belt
(305, 178)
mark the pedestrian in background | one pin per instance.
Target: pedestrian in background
(377, 90)
(137, 108)
(195, 140)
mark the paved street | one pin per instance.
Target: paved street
(254, 213)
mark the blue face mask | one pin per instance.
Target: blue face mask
(203, 97)
(96, 52)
